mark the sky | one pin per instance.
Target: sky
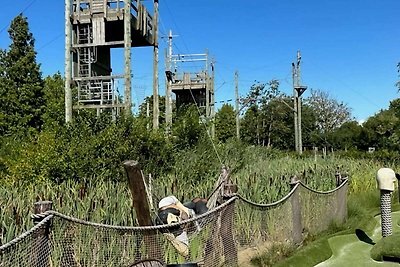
(349, 48)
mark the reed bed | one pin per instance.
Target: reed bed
(260, 178)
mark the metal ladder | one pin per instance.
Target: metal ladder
(86, 56)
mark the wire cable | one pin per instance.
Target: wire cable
(208, 132)
(25, 9)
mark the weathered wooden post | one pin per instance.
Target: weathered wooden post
(398, 184)
(228, 224)
(137, 187)
(222, 229)
(386, 178)
(342, 200)
(41, 244)
(338, 177)
(297, 227)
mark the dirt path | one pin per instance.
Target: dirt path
(245, 256)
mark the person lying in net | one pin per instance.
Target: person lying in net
(171, 210)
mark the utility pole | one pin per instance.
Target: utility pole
(155, 68)
(127, 56)
(212, 100)
(68, 62)
(168, 93)
(148, 114)
(237, 105)
(298, 90)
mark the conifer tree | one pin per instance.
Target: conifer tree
(21, 84)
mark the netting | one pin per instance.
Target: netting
(29, 249)
(221, 237)
(288, 221)
(320, 209)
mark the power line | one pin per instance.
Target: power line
(50, 42)
(25, 9)
(334, 78)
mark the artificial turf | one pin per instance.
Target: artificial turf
(351, 246)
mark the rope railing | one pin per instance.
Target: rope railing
(273, 204)
(344, 182)
(75, 242)
(24, 235)
(135, 228)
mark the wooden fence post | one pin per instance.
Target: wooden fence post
(297, 227)
(41, 243)
(137, 187)
(342, 201)
(398, 184)
(228, 225)
(222, 228)
(338, 177)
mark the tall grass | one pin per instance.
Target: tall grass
(262, 176)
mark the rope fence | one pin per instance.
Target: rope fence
(224, 236)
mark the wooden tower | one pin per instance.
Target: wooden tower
(93, 28)
(189, 87)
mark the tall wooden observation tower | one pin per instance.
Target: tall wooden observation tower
(189, 87)
(92, 29)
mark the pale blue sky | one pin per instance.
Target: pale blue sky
(349, 47)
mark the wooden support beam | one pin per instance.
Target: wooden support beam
(137, 187)
(138, 191)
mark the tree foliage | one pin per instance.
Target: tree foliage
(225, 123)
(331, 113)
(54, 111)
(189, 127)
(261, 119)
(21, 84)
(347, 136)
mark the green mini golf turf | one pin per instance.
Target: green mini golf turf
(349, 250)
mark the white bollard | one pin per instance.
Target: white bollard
(386, 178)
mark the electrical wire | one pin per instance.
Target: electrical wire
(208, 132)
(25, 9)
(50, 42)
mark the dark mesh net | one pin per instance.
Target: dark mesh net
(228, 235)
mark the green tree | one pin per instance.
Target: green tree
(261, 118)
(278, 123)
(225, 123)
(54, 111)
(381, 129)
(347, 136)
(310, 134)
(21, 84)
(187, 128)
(249, 127)
(330, 113)
(161, 107)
